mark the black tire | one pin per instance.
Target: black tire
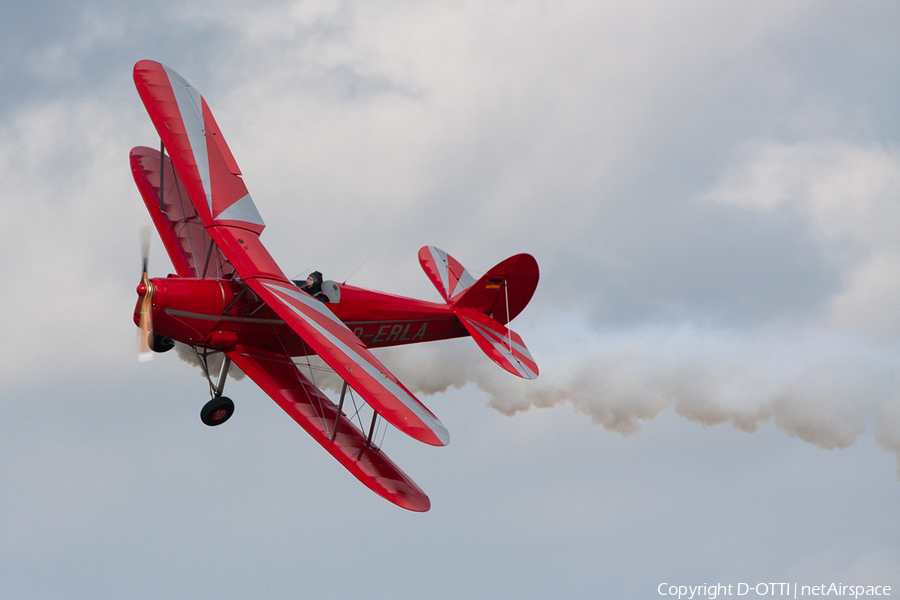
(217, 411)
(160, 343)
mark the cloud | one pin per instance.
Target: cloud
(67, 232)
(849, 195)
(629, 147)
(468, 126)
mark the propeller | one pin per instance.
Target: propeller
(145, 291)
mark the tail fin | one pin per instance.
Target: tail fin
(486, 305)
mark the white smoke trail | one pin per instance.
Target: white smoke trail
(213, 362)
(820, 387)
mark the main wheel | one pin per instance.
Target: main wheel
(160, 343)
(217, 411)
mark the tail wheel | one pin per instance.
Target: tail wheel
(217, 411)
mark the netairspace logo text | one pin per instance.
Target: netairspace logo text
(791, 590)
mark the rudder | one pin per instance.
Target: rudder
(504, 291)
(486, 305)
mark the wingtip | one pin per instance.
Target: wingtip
(432, 433)
(429, 430)
(145, 65)
(423, 506)
(442, 435)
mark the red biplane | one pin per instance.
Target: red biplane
(230, 298)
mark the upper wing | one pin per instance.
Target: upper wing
(183, 234)
(212, 180)
(277, 375)
(351, 360)
(201, 157)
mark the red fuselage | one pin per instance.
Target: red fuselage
(219, 313)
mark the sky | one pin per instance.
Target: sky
(711, 190)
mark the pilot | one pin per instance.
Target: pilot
(313, 286)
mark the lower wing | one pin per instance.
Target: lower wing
(183, 234)
(280, 378)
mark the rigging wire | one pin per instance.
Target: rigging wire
(508, 332)
(320, 410)
(358, 268)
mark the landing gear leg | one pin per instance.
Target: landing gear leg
(220, 408)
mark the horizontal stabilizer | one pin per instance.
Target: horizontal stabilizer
(486, 305)
(448, 276)
(501, 344)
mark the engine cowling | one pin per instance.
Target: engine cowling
(189, 310)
